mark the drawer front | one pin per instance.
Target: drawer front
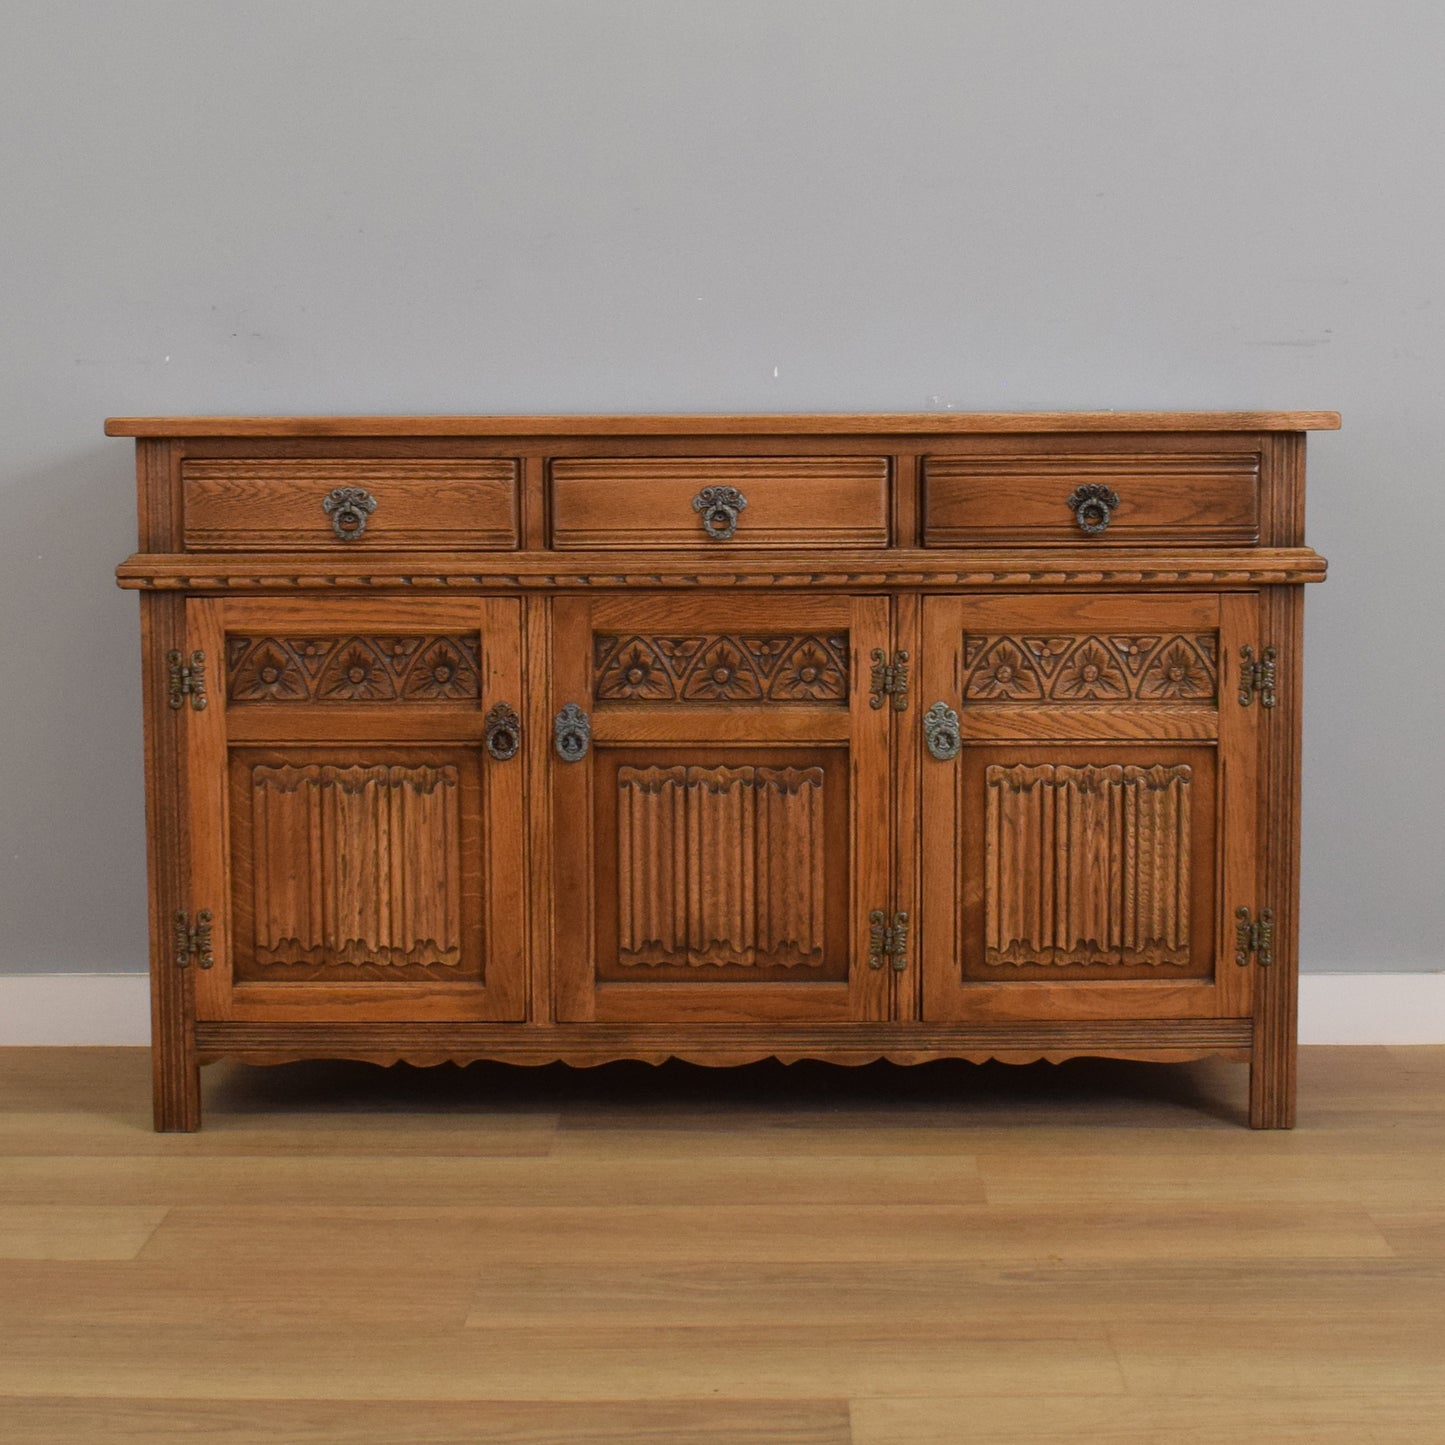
(715, 503)
(1200, 498)
(238, 504)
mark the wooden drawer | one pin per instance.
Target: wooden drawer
(1184, 496)
(664, 502)
(235, 504)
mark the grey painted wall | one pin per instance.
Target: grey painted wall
(558, 205)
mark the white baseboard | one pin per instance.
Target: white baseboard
(114, 1008)
(1372, 1008)
(74, 1008)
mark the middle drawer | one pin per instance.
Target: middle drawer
(719, 502)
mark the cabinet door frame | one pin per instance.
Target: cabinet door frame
(952, 862)
(579, 996)
(210, 734)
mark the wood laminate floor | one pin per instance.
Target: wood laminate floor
(1094, 1252)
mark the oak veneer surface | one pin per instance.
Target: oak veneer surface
(587, 738)
(898, 423)
(1093, 1252)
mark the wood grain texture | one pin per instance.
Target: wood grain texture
(75, 1231)
(352, 669)
(892, 569)
(242, 504)
(176, 1087)
(1084, 668)
(721, 866)
(645, 503)
(1109, 847)
(725, 1038)
(720, 668)
(756, 856)
(721, 424)
(126, 1421)
(1273, 1071)
(1086, 1254)
(1187, 493)
(377, 886)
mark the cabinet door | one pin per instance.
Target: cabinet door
(722, 842)
(1086, 848)
(359, 849)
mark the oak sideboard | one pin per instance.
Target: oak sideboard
(723, 738)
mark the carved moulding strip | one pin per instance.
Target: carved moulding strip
(721, 866)
(1091, 667)
(720, 667)
(393, 668)
(894, 568)
(1087, 864)
(375, 879)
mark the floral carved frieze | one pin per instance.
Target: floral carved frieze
(1090, 667)
(400, 668)
(718, 667)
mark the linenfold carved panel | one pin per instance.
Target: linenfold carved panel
(1085, 667)
(721, 866)
(398, 668)
(1087, 864)
(720, 668)
(356, 865)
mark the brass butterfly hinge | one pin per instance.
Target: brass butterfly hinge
(1256, 676)
(887, 940)
(193, 943)
(186, 679)
(889, 679)
(1254, 936)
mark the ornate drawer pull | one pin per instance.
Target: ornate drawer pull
(719, 507)
(940, 731)
(348, 508)
(572, 733)
(503, 732)
(1093, 507)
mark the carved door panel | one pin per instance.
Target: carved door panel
(720, 846)
(1088, 812)
(358, 845)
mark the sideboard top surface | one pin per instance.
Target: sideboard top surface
(780, 424)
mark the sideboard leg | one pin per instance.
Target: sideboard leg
(175, 1072)
(1275, 1053)
(1272, 1071)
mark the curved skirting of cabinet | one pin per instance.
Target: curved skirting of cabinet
(723, 739)
(724, 1045)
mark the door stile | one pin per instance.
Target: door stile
(906, 883)
(208, 808)
(573, 835)
(540, 835)
(871, 875)
(504, 877)
(939, 834)
(1239, 739)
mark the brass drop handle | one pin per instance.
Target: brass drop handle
(348, 508)
(940, 732)
(503, 732)
(719, 507)
(1093, 507)
(572, 733)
